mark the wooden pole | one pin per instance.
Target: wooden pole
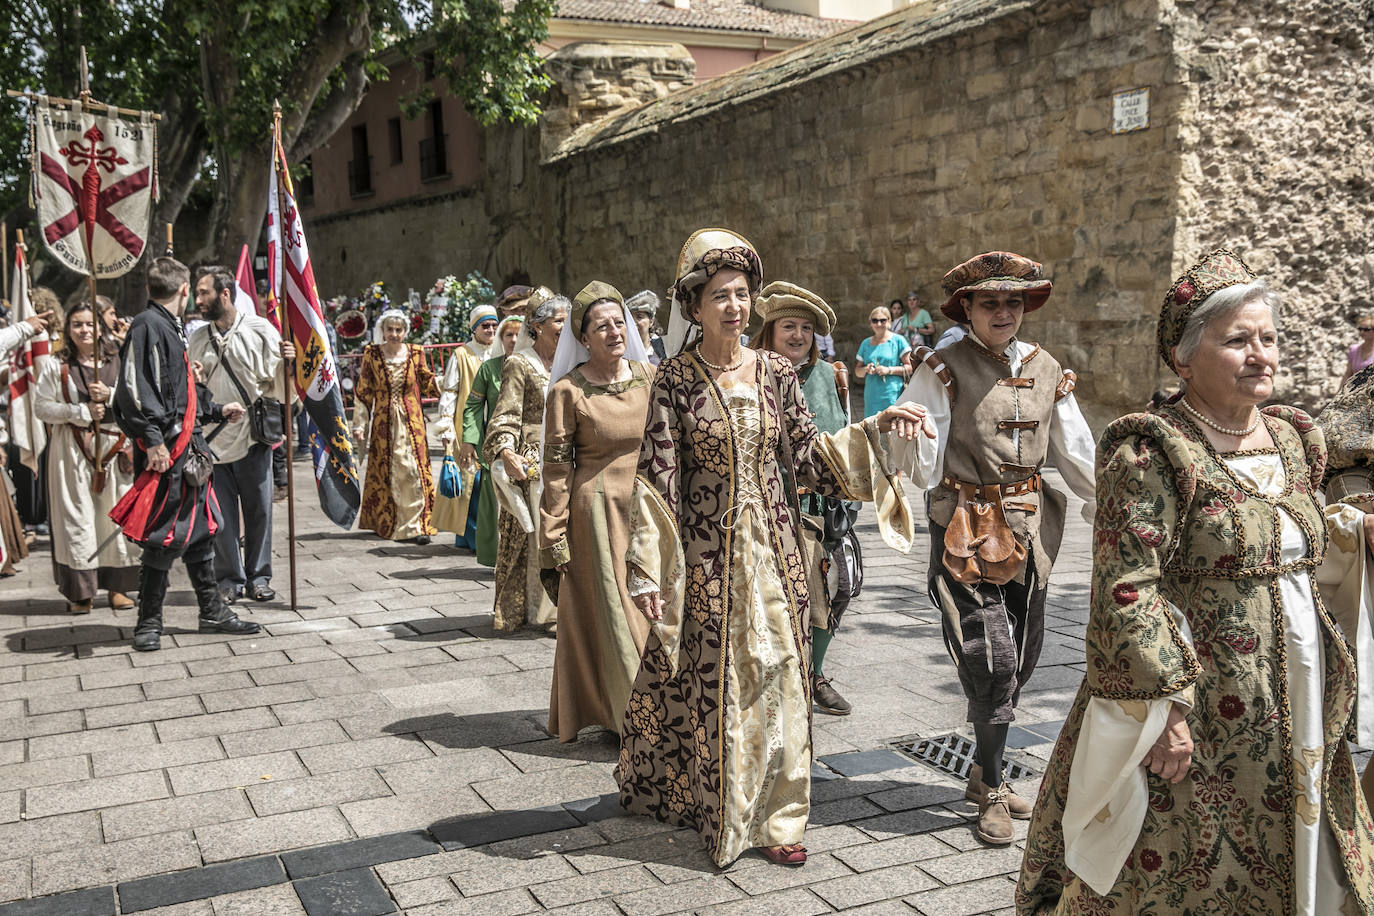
(5, 258)
(288, 369)
(169, 240)
(68, 103)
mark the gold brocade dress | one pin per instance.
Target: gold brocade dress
(768, 718)
(398, 494)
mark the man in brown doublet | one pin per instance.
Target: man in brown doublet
(1002, 408)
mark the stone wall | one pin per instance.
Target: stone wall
(1278, 164)
(872, 161)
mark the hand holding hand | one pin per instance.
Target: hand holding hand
(159, 459)
(906, 421)
(232, 411)
(650, 604)
(1170, 756)
(515, 466)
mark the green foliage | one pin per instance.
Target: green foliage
(215, 68)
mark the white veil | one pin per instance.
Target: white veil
(572, 354)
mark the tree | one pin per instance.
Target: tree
(214, 70)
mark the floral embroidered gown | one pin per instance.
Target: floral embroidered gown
(516, 424)
(716, 735)
(398, 495)
(1205, 593)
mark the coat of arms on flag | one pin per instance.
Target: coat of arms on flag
(94, 184)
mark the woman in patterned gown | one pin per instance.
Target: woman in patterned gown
(717, 732)
(1205, 765)
(513, 440)
(398, 495)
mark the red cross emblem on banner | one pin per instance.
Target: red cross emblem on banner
(92, 201)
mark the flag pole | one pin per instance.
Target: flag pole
(87, 211)
(5, 258)
(287, 371)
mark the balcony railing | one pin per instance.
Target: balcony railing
(433, 158)
(360, 177)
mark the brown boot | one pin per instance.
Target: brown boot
(1016, 805)
(994, 820)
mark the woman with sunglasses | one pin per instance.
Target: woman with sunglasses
(884, 363)
(1361, 354)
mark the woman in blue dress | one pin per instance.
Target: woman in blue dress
(884, 363)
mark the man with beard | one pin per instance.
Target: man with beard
(170, 511)
(240, 357)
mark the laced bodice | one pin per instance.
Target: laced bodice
(746, 424)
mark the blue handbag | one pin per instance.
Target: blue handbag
(450, 481)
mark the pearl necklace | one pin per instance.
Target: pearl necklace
(1238, 433)
(740, 362)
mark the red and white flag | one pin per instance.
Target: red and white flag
(94, 185)
(292, 280)
(245, 289)
(26, 362)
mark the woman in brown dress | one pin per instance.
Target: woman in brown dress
(593, 427)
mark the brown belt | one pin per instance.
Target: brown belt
(987, 493)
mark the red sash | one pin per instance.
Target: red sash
(132, 512)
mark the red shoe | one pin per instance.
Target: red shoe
(794, 854)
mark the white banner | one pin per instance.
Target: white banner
(94, 175)
(26, 364)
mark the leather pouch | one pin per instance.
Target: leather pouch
(979, 544)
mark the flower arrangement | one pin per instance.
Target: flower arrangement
(450, 302)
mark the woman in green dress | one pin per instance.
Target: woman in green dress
(486, 387)
(1205, 764)
(792, 317)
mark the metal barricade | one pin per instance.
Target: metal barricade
(436, 358)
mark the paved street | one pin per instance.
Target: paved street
(380, 749)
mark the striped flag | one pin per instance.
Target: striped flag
(293, 291)
(245, 291)
(26, 430)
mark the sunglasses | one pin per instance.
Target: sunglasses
(1362, 330)
(877, 321)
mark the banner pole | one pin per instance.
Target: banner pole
(288, 371)
(5, 258)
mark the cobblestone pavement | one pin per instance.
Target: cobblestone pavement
(380, 749)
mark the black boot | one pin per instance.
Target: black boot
(215, 615)
(152, 590)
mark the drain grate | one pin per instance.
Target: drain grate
(953, 754)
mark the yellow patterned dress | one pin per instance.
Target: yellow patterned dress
(398, 495)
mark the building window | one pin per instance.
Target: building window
(305, 187)
(393, 132)
(433, 153)
(360, 167)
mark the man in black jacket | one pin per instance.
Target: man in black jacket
(171, 511)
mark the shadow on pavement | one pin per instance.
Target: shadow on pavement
(518, 731)
(482, 574)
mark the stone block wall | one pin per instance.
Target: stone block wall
(880, 173)
(1277, 146)
(873, 161)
